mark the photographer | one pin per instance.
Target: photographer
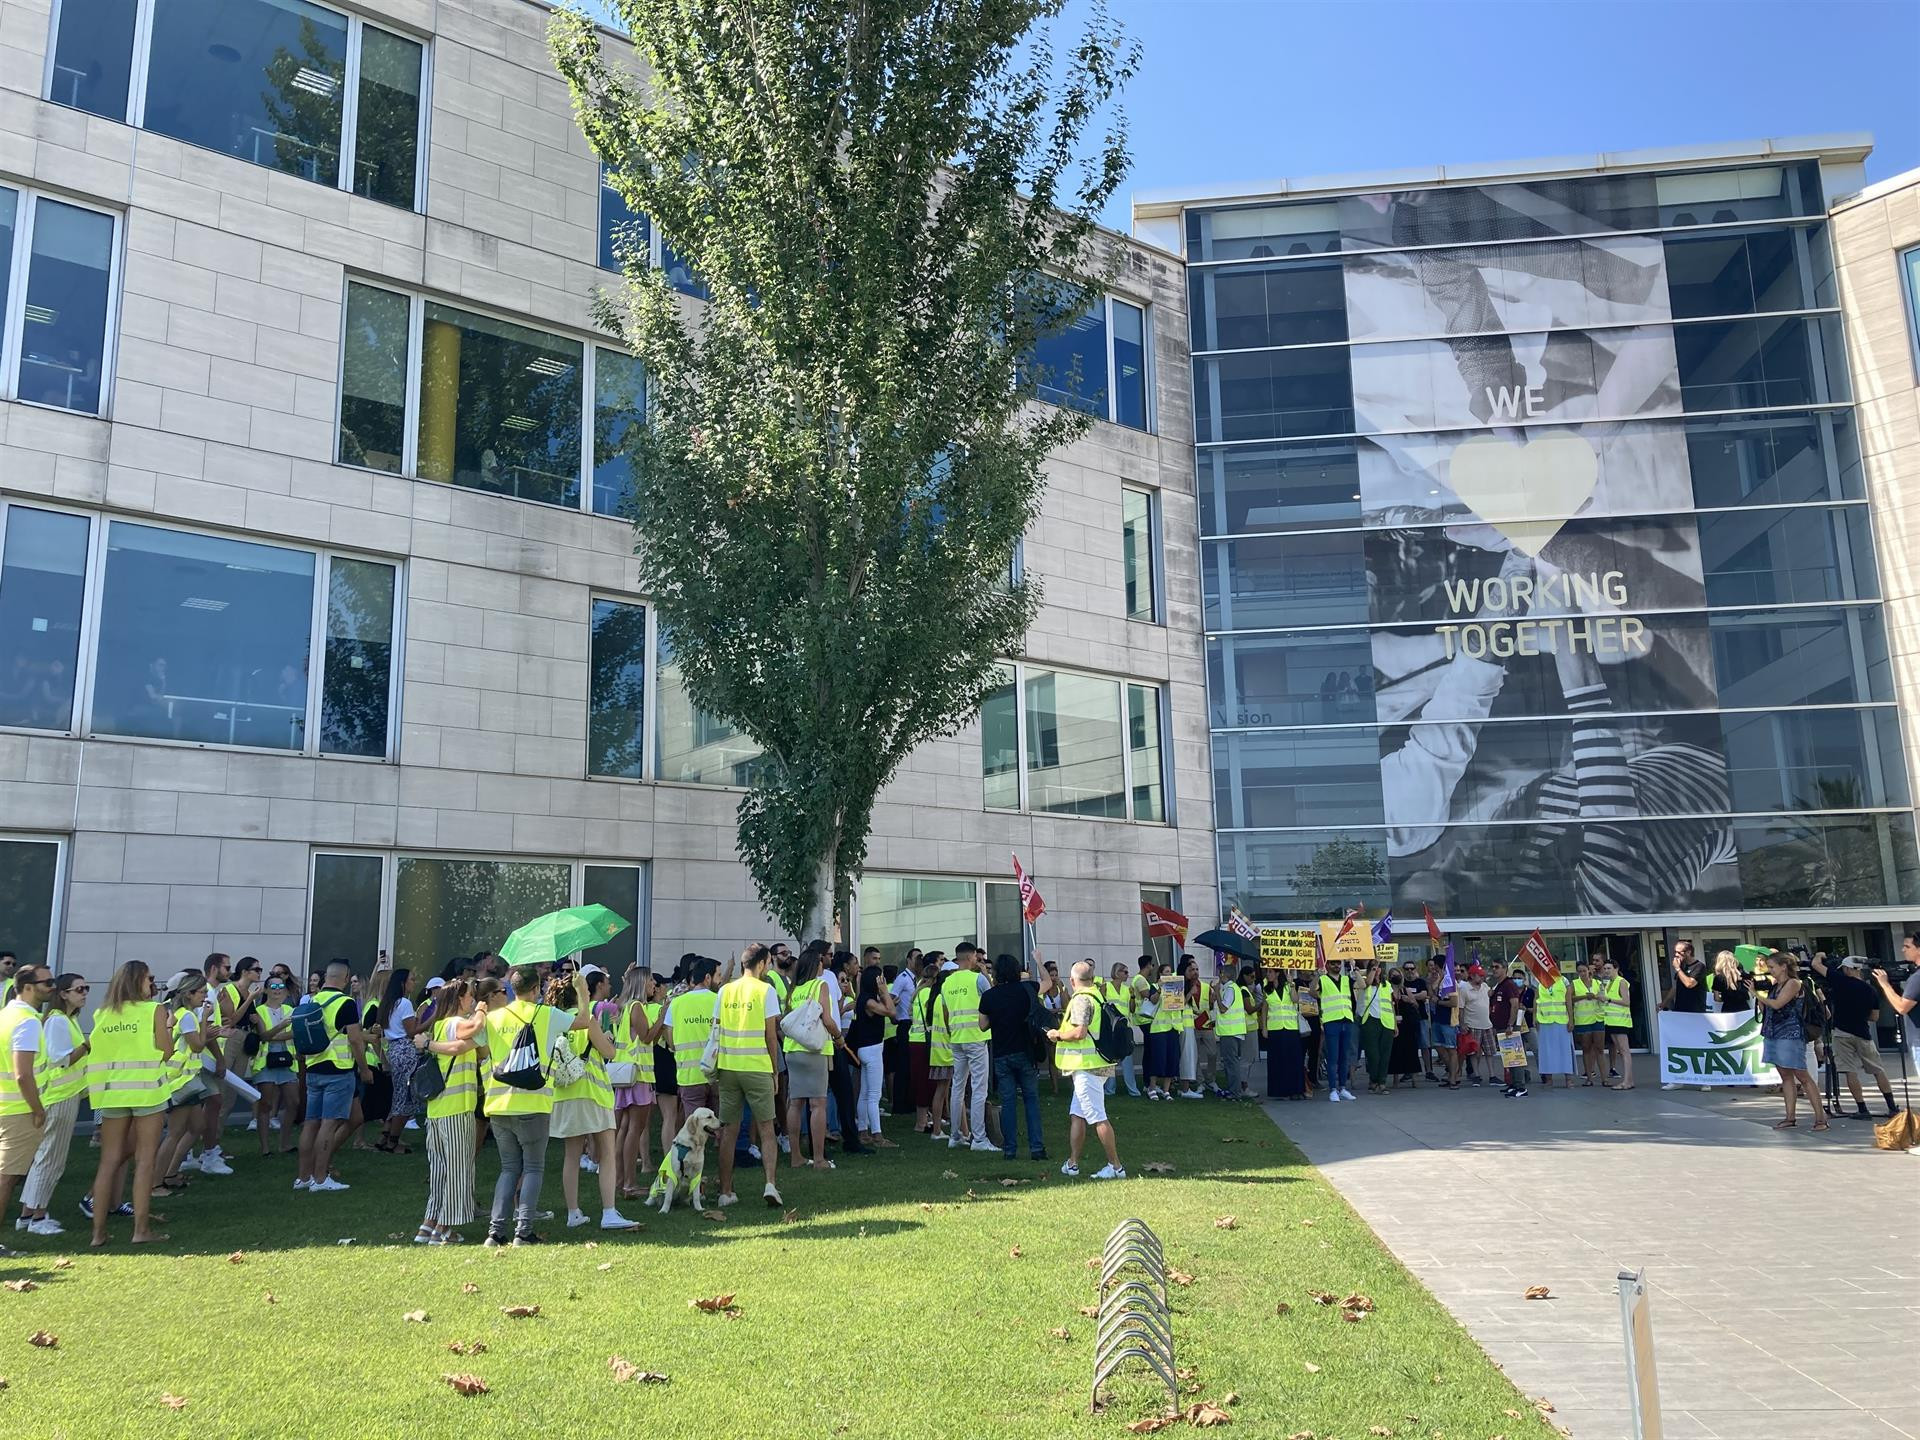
(1905, 1001)
(1854, 1007)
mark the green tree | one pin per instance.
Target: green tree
(1338, 875)
(839, 456)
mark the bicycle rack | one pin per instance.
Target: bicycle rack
(1134, 1322)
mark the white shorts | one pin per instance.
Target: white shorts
(1089, 1096)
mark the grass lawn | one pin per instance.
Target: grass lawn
(893, 1304)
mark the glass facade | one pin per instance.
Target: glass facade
(1537, 573)
(1059, 743)
(55, 343)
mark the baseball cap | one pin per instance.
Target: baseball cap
(434, 984)
(1475, 970)
(1854, 962)
(591, 970)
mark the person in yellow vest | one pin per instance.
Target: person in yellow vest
(960, 991)
(331, 1081)
(1552, 1009)
(687, 1021)
(186, 995)
(1589, 1019)
(807, 1079)
(1169, 1001)
(1616, 1009)
(453, 1042)
(518, 1081)
(128, 1080)
(9, 962)
(929, 1086)
(1231, 1023)
(1187, 1025)
(583, 1109)
(632, 1076)
(273, 1072)
(1378, 1022)
(1336, 989)
(748, 1018)
(1206, 1033)
(62, 1080)
(1282, 1032)
(1083, 1065)
(23, 1066)
(1119, 992)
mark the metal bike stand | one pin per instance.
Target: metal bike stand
(1134, 1321)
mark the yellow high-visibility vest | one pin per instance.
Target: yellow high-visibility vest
(1586, 1003)
(693, 1013)
(1336, 998)
(960, 1000)
(15, 1013)
(1081, 1054)
(742, 1018)
(503, 1028)
(1614, 1008)
(61, 1080)
(463, 1076)
(1233, 1011)
(1550, 1003)
(125, 1069)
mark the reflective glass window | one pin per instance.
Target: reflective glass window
(258, 79)
(1306, 486)
(622, 229)
(29, 897)
(386, 144)
(1000, 744)
(1748, 364)
(1006, 927)
(1260, 232)
(1070, 366)
(1779, 557)
(1129, 365)
(461, 907)
(1242, 307)
(499, 407)
(1074, 762)
(899, 912)
(1726, 197)
(1308, 677)
(1771, 459)
(1273, 394)
(691, 744)
(1517, 210)
(1808, 760)
(343, 920)
(680, 273)
(1721, 273)
(1769, 658)
(1269, 581)
(1298, 778)
(93, 56)
(43, 583)
(1161, 947)
(357, 684)
(619, 404)
(373, 379)
(63, 331)
(617, 690)
(1804, 862)
(1137, 553)
(9, 223)
(1910, 274)
(203, 639)
(618, 888)
(1143, 741)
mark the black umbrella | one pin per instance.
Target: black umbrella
(1231, 943)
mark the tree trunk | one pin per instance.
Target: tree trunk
(820, 908)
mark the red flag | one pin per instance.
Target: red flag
(1347, 924)
(1031, 905)
(1433, 927)
(1163, 920)
(1540, 959)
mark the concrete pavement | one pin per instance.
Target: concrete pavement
(1784, 1266)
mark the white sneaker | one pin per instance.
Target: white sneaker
(1192, 1095)
(1110, 1172)
(412, 1124)
(301, 1184)
(1345, 1094)
(754, 1151)
(274, 1122)
(253, 1124)
(986, 1146)
(46, 1225)
(1069, 1168)
(214, 1165)
(953, 1140)
(614, 1220)
(586, 1164)
(328, 1184)
(576, 1218)
(190, 1164)
(772, 1197)
(785, 1149)
(1333, 1096)
(725, 1199)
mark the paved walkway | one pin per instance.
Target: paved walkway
(1784, 1267)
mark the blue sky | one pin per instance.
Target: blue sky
(1242, 90)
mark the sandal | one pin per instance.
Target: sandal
(1822, 1126)
(1785, 1124)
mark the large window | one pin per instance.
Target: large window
(617, 691)
(196, 638)
(57, 283)
(430, 909)
(1140, 553)
(1910, 286)
(30, 883)
(494, 405)
(1079, 745)
(289, 85)
(625, 233)
(692, 745)
(899, 913)
(1098, 363)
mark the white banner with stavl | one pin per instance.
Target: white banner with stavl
(1713, 1050)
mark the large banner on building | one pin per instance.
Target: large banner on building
(1713, 1050)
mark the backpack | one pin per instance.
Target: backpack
(567, 1065)
(310, 1028)
(1813, 1009)
(521, 1067)
(1113, 1036)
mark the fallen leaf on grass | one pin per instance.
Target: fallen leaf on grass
(238, 1257)
(44, 1339)
(1092, 1262)
(1227, 1222)
(1301, 1435)
(1312, 1369)
(1009, 1180)
(972, 1196)
(1179, 1277)
(1232, 1397)
(469, 1289)
(926, 1207)
(1378, 1430)
(1157, 1167)
(1229, 1139)
(625, 1370)
(1357, 1301)
(1539, 1292)
(63, 1263)
(1323, 1297)
(1014, 1253)
(1090, 1310)
(1353, 1317)
(1207, 1413)
(1544, 1406)
(467, 1347)
(174, 1402)
(713, 1215)
(1060, 1332)
(1306, 1224)
(1184, 1372)
(418, 1317)
(1511, 1414)
(949, 1175)
(519, 1312)
(270, 1298)
(591, 1245)
(1152, 1423)
(466, 1384)
(713, 1303)
(1283, 1308)
(21, 1287)
(789, 1216)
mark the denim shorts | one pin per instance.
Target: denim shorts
(1444, 1035)
(329, 1097)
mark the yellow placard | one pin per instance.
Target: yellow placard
(1286, 949)
(1356, 944)
(1173, 996)
(1387, 954)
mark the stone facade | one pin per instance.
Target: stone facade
(225, 366)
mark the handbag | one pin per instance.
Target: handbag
(710, 1052)
(427, 1080)
(622, 1073)
(805, 1027)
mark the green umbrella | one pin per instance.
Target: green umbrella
(578, 927)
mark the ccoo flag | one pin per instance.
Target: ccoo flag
(1031, 905)
(1165, 920)
(1433, 927)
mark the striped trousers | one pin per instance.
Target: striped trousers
(450, 1169)
(51, 1158)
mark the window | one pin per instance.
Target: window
(692, 745)
(1098, 363)
(617, 690)
(30, 884)
(1139, 553)
(57, 264)
(196, 638)
(495, 405)
(429, 909)
(1161, 947)
(43, 578)
(285, 84)
(625, 232)
(1274, 394)
(1052, 741)
(1910, 283)
(899, 913)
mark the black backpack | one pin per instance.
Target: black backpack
(1113, 1036)
(522, 1068)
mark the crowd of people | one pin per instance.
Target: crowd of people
(793, 1060)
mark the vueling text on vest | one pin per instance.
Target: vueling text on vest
(1601, 634)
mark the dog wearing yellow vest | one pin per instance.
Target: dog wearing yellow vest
(685, 1162)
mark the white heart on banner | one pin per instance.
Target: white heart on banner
(1525, 491)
